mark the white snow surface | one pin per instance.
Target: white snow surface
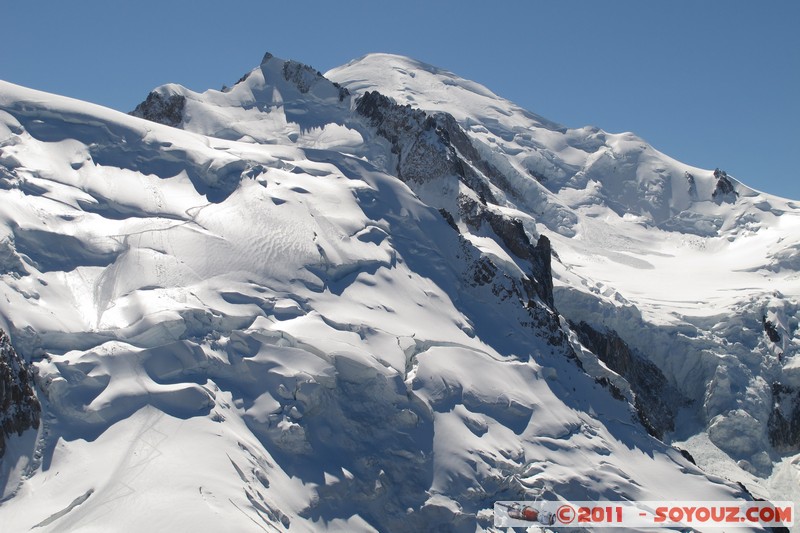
(250, 324)
(683, 276)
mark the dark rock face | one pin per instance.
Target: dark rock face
(686, 455)
(656, 401)
(692, 185)
(429, 146)
(304, 77)
(449, 218)
(164, 110)
(513, 236)
(541, 257)
(434, 146)
(423, 154)
(19, 408)
(537, 316)
(724, 190)
(771, 330)
(448, 127)
(783, 427)
(615, 392)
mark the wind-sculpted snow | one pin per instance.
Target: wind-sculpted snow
(586, 166)
(283, 102)
(271, 317)
(309, 350)
(680, 263)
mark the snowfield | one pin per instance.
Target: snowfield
(281, 309)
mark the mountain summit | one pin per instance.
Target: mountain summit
(378, 299)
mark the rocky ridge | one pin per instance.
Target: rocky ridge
(19, 407)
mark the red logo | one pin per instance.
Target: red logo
(565, 514)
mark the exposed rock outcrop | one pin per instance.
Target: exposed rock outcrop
(422, 153)
(429, 147)
(784, 420)
(770, 330)
(656, 402)
(164, 110)
(304, 77)
(692, 184)
(19, 407)
(513, 236)
(724, 191)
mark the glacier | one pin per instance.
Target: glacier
(381, 298)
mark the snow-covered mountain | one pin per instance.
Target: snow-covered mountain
(378, 299)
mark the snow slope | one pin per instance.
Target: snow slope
(685, 270)
(248, 322)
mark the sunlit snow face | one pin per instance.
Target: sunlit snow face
(273, 324)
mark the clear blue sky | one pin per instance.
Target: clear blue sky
(711, 83)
